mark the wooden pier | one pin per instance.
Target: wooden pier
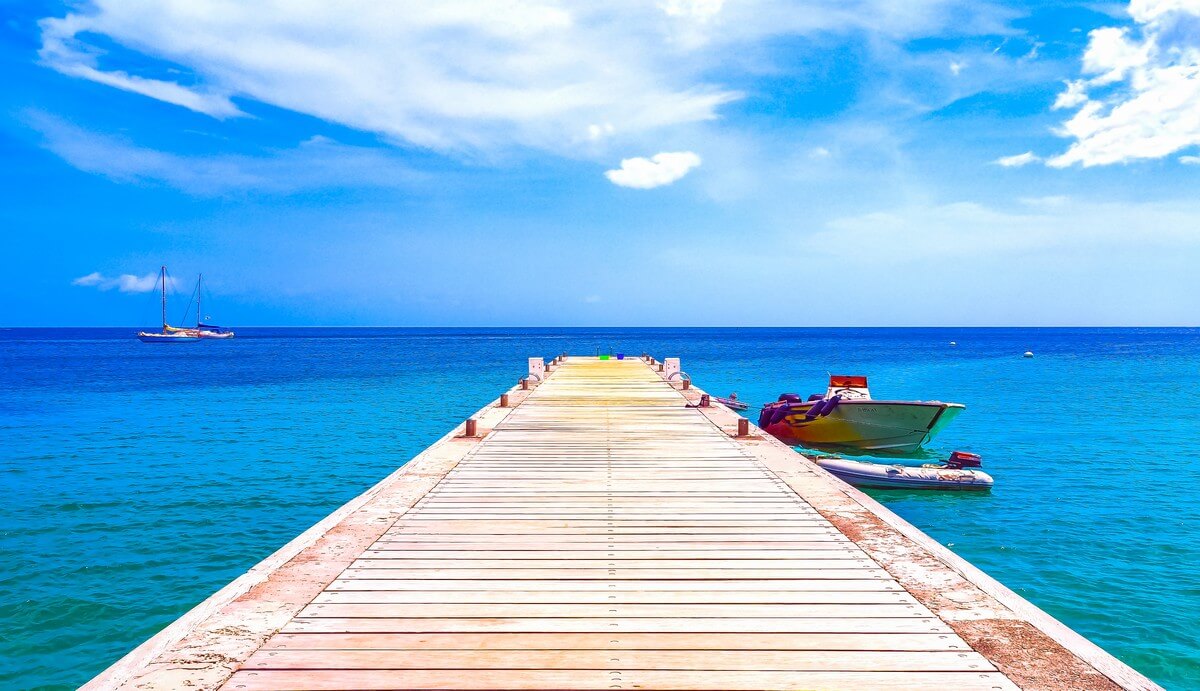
(602, 532)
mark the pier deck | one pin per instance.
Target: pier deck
(601, 534)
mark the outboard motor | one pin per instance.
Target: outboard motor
(962, 459)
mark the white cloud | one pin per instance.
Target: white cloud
(93, 279)
(699, 10)
(818, 153)
(1189, 160)
(1140, 94)
(466, 76)
(956, 67)
(1073, 97)
(597, 132)
(452, 75)
(1018, 160)
(1052, 200)
(125, 283)
(656, 171)
(593, 299)
(316, 163)
(978, 232)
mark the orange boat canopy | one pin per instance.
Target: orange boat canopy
(847, 381)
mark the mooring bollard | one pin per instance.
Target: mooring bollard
(743, 427)
(525, 384)
(660, 368)
(503, 400)
(687, 384)
(705, 401)
(471, 427)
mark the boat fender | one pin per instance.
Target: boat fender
(764, 417)
(830, 404)
(816, 410)
(780, 412)
(789, 397)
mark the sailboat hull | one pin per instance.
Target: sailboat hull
(145, 337)
(896, 426)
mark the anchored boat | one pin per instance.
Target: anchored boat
(846, 415)
(175, 334)
(207, 330)
(169, 334)
(732, 402)
(959, 473)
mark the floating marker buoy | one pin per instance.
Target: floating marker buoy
(1028, 353)
(953, 343)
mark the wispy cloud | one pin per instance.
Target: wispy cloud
(1018, 160)
(315, 163)
(450, 75)
(466, 75)
(658, 170)
(964, 230)
(125, 283)
(1139, 97)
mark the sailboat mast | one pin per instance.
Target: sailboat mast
(199, 297)
(164, 298)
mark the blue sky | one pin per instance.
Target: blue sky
(679, 162)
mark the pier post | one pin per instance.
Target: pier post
(471, 428)
(503, 400)
(743, 427)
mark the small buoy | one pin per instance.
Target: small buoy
(953, 343)
(1028, 353)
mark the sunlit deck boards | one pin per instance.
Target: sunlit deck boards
(604, 536)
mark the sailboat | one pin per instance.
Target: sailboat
(207, 330)
(169, 334)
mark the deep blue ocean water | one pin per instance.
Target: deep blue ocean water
(138, 479)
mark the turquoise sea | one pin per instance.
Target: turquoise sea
(137, 479)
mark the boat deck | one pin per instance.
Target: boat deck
(602, 534)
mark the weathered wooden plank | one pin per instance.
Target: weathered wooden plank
(724, 660)
(636, 624)
(609, 610)
(726, 597)
(620, 641)
(616, 573)
(371, 559)
(598, 680)
(496, 584)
